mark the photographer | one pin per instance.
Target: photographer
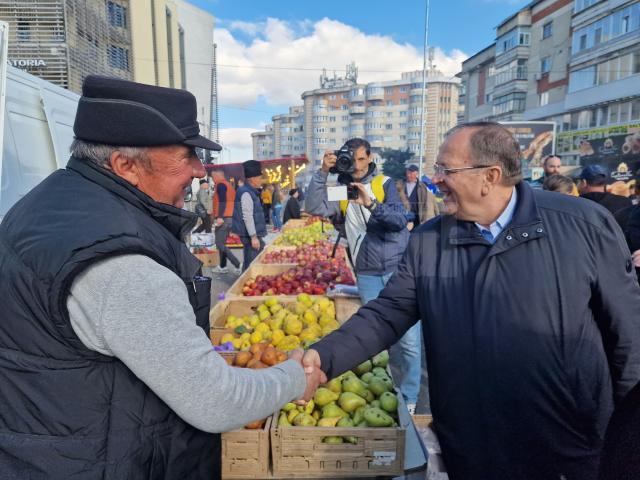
(376, 230)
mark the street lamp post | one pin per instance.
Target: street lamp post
(424, 88)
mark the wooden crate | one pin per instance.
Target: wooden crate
(245, 453)
(208, 259)
(246, 306)
(298, 452)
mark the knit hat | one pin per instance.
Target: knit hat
(252, 169)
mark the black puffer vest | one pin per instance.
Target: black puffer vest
(67, 412)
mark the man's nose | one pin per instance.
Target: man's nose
(198, 169)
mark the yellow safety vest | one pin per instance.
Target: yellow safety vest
(377, 186)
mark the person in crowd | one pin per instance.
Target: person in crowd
(419, 202)
(531, 317)
(204, 207)
(551, 165)
(561, 184)
(104, 371)
(223, 204)
(593, 186)
(248, 217)
(376, 232)
(267, 199)
(292, 209)
(240, 182)
(276, 208)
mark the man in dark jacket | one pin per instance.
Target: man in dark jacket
(248, 217)
(292, 209)
(376, 230)
(531, 318)
(593, 186)
(104, 372)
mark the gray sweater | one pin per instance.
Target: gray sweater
(133, 308)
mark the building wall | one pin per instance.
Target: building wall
(64, 41)
(155, 35)
(197, 27)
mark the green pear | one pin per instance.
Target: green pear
(328, 421)
(283, 421)
(334, 440)
(370, 396)
(363, 368)
(349, 401)
(375, 404)
(388, 402)
(379, 372)
(333, 410)
(304, 420)
(381, 359)
(345, 422)
(358, 415)
(376, 417)
(335, 385)
(354, 385)
(388, 382)
(324, 396)
(362, 424)
(366, 378)
(378, 386)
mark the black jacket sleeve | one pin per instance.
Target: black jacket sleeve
(616, 308)
(376, 326)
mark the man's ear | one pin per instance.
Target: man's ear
(125, 167)
(493, 176)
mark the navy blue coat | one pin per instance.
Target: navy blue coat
(529, 341)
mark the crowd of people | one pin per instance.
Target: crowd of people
(526, 301)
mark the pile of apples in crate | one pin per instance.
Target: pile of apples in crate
(360, 398)
(315, 278)
(306, 235)
(300, 324)
(305, 254)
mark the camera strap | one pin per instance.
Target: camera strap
(335, 248)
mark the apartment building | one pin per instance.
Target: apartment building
(578, 65)
(264, 144)
(386, 113)
(64, 41)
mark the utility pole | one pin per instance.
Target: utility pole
(424, 89)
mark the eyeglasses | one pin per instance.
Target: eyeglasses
(440, 170)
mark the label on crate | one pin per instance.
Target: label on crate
(383, 458)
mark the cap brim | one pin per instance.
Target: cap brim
(203, 142)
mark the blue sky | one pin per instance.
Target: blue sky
(271, 51)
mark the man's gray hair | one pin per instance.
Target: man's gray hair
(100, 153)
(492, 144)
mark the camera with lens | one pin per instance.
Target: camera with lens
(344, 168)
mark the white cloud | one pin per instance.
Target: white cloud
(308, 47)
(237, 144)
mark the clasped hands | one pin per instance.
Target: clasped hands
(310, 362)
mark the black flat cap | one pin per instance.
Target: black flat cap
(119, 112)
(252, 169)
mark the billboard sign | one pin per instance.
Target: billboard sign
(536, 139)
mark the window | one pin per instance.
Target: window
(635, 109)
(543, 99)
(345, 118)
(582, 4)
(118, 57)
(583, 78)
(545, 65)
(404, 89)
(403, 113)
(389, 126)
(636, 62)
(583, 41)
(597, 36)
(345, 107)
(345, 96)
(332, 97)
(614, 110)
(117, 14)
(24, 30)
(332, 119)
(615, 24)
(624, 112)
(388, 90)
(389, 103)
(518, 36)
(404, 101)
(547, 30)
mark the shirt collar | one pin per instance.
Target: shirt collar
(505, 217)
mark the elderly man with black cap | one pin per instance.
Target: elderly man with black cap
(248, 217)
(104, 372)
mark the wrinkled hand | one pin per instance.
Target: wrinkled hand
(255, 243)
(635, 257)
(328, 161)
(311, 365)
(363, 196)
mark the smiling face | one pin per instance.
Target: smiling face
(464, 190)
(362, 161)
(172, 169)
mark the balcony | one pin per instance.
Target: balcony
(375, 94)
(356, 109)
(516, 73)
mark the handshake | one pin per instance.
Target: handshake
(310, 362)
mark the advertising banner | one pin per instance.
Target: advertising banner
(536, 139)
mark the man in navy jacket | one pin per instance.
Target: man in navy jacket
(531, 316)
